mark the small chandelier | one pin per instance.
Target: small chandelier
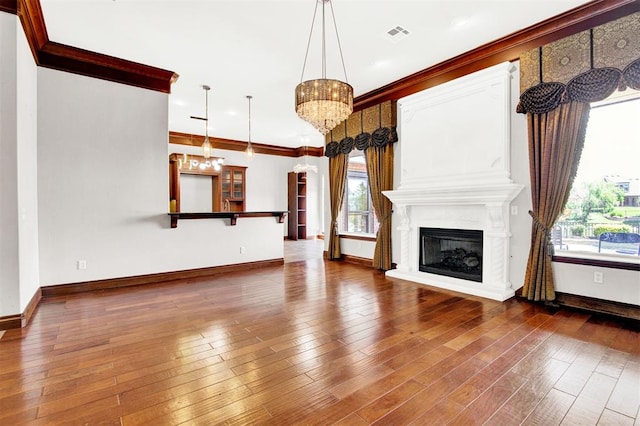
(207, 148)
(323, 102)
(249, 151)
(195, 162)
(306, 167)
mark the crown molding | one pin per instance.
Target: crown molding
(61, 57)
(9, 6)
(311, 151)
(235, 145)
(84, 62)
(509, 48)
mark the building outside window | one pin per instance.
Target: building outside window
(357, 215)
(605, 196)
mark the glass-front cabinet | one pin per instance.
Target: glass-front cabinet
(225, 184)
(232, 188)
(238, 184)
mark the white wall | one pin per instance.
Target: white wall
(27, 171)
(618, 285)
(19, 278)
(103, 189)
(357, 248)
(520, 223)
(9, 271)
(196, 193)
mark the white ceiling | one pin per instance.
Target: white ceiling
(242, 47)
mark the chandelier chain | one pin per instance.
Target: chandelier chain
(306, 54)
(206, 111)
(324, 45)
(249, 97)
(335, 26)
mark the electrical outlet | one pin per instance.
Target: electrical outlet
(598, 277)
(81, 264)
(242, 249)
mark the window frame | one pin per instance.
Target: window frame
(344, 210)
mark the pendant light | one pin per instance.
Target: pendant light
(207, 147)
(249, 151)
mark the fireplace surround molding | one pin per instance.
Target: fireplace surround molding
(455, 174)
(484, 208)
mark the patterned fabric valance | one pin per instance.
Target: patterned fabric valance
(588, 66)
(374, 126)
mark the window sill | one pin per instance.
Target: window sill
(361, 237)
(599, 260)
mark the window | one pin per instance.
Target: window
(357, 214)
(605, 197)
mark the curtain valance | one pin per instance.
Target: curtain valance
(587, 67)
(374, 126)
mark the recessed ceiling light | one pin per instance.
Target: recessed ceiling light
(380, 63)
(460, 21)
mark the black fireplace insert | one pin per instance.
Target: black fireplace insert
(452, 252)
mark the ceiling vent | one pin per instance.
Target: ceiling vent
(397, 34)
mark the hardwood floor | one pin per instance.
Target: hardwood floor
(311, 342)
(297, 250)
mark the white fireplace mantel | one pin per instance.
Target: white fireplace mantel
(455, 195)
(455, 174)
(484, 208)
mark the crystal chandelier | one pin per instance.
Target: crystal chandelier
(249, 151)
(323, 102)
(207, 148)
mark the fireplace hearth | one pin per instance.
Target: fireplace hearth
(451, 252)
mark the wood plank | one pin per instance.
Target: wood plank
(577, 375)
(389, 401)
(625, 398)
(524, 400)
(491, 400)
(551, 410)
(609, 417)
(360, 381)
(351, 420)
(591, 401)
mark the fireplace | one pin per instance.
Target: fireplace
(455, 175)
(451, 252)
